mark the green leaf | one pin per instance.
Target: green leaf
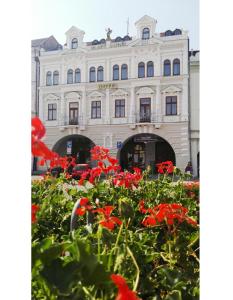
(174, 295)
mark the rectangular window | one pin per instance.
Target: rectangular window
(171, 105)
(73, 113)
(96, 109)
(52, 111)
(145, 109)
(120, 108)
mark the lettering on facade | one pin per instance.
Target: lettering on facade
(105, 86)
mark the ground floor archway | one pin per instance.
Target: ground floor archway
(145, 149)
(77, 146)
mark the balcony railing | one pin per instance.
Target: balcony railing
(73, 121)
(144, 118)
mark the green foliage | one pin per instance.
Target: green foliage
(159, 262)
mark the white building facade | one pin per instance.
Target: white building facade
(128, 94)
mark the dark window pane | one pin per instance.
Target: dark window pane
(70, 76)
(141, 70)
(171, 105)
(120, 108)
(95, 109)
(77, 75)
(176, 67)
(100, 74)
(150, 69)
(92, 74)
(145, 34)
(55, 77)
(52, 111)
(115, 72)
(74, 43)
(167, 68)
(124, 72)
(49, 78)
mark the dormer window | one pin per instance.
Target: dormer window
(74, 43)
(146, 33)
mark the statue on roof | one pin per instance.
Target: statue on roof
(109, 31)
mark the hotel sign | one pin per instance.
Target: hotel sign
(104, 86)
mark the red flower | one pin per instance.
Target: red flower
(84, 207)
(39, 130)
(107, 221)
(127, 179)
(166, 212)
(34, 209)
(165, 167)
(99, 153)
(124, 293)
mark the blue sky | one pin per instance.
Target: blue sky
(55, 17)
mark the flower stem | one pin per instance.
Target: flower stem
(136, 265)
(87, 293)
(115, 246)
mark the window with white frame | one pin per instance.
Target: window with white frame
(77, 75)
(171, 105)
(119, 108)
(55, 78)
(49, 78)
(70, 76)
(52, 111)
(96, 109)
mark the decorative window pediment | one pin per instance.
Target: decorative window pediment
(171, 90)
(145, 90)
(95, 95)
(119, 92)
(73, 96)
(52, 97)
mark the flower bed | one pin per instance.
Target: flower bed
(140, 241)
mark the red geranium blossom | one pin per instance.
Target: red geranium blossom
(107, 221)
(127, 179)
(34, 209)
(165, 212)
(124, 293)
(83, 207)
(165, 167)
(99, 153)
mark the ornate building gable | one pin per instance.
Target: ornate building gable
(95, 95)
(119, 93)
(171, 90)
(51, 97)
(145, 91)
(72, 96)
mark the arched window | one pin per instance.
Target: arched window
(49, 78)
(100, 73)
(176, 66)
(115, 72)
(150, 69)
(124, 72)
(77, 75)
(167, 68)
(55, 78)
(70, 76)
(141, 70)
(118, 39)
(146, 33)
(95, 42)
(168, 33)
(92, 74)
(74, 43)
(177, 32)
